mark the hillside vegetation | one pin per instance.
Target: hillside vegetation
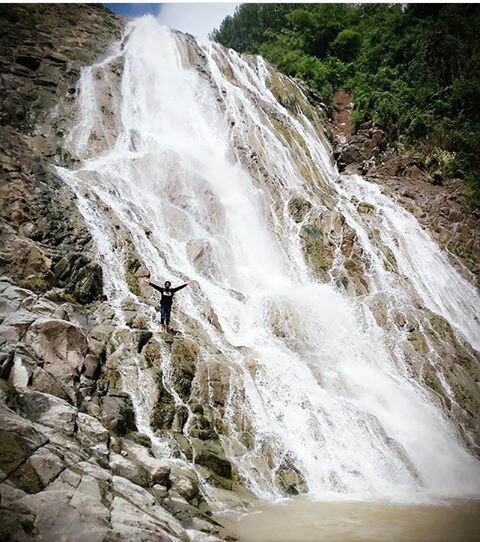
(414, 70)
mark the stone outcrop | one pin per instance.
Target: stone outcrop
(360, 149)
(45, 243)
(72, 463)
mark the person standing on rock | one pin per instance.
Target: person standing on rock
(166, 302)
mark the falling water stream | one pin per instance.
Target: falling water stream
(188, 156)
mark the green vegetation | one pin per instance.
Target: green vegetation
(414, 69)
(39, 285)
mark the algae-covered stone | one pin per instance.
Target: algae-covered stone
(317, 256)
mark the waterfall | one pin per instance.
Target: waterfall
(191, 158)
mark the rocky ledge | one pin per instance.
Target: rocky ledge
(72, 462)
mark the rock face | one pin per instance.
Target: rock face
(72, 463)
(42, 48)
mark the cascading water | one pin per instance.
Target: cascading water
(190, 155)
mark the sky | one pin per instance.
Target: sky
(197, 19)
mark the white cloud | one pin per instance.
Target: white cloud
(197, 19)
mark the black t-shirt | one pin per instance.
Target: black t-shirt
(167, 295)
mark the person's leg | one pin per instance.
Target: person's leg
(163, 312)
(167, 317)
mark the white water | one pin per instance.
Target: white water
(316, 382)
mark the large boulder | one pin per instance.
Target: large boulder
(60, 348)
(290, 479)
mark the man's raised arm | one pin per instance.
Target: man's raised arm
(180, 287)
(159, 288)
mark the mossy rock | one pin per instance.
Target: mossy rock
(163, 412)
(210, 454)
(132, 282)
(140, 438)
(201, 427)
(152, 353)
(39, 285)
(298, 207)
(417, 339)
(316, 255)
(184, 445)
(184, 358)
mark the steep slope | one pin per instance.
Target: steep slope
(328, 346)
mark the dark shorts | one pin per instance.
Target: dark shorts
(165, 311)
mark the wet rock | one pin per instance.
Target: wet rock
(298, 207)
(184, 357)
(140, 438)
(316, 254)
(202, 256)
(290, 479)
(117, 414)
(365, 208)
(163, 413)
(180, 508)
(210, 454)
